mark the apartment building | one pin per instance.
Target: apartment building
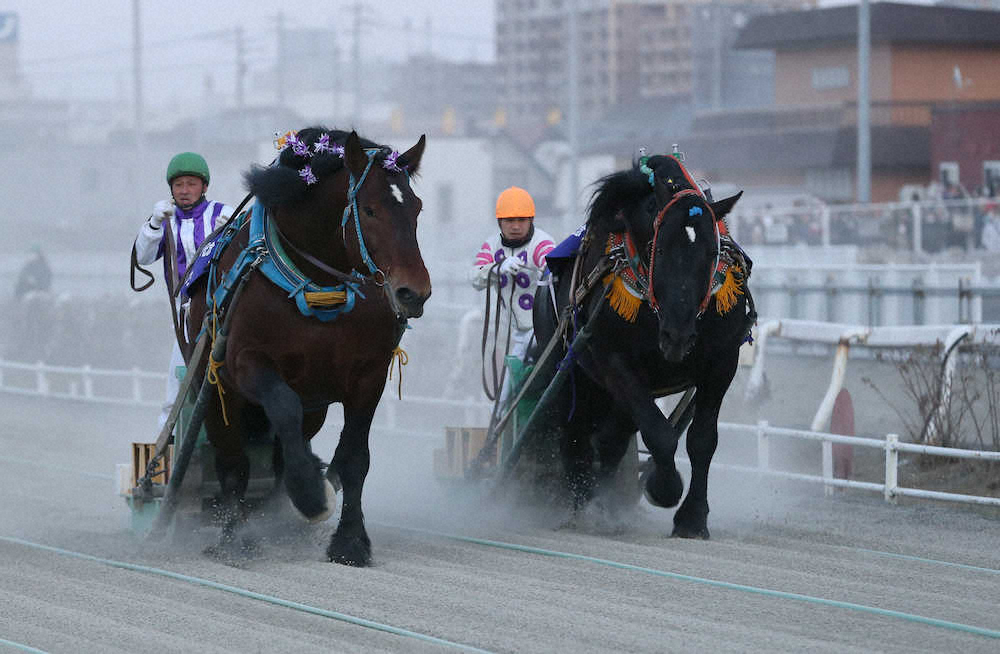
(628, 51)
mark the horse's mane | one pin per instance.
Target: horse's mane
(281, 184)
(626, 191)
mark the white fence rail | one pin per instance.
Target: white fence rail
(843, 336)
(882, 294)
(393, 418)
(890, 488)
(929, 225)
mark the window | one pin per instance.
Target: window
(991, 177)
(948, 172)
(830, 77)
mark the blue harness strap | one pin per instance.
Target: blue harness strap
(264, 249)
(352, 206)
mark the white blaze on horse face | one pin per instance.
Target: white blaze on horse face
(396, 193)
(690, 230)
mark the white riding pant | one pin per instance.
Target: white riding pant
(173, 384)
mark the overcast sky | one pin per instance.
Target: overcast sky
(82, 48)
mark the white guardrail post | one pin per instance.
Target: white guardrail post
(41, 382)
(88, 383)
(891, 467)
(136, 386)
(763, 446)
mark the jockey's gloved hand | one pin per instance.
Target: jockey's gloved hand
(161, 210)
(511, 266)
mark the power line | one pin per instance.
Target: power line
(204, 36)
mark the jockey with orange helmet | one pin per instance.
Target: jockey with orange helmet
(192, 218)
(519, 248)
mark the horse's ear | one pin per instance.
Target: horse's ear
(354, 155)
(725, 205)
(411, 158)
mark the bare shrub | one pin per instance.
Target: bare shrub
(967, 416)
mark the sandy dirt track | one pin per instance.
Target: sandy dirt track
(56, 461)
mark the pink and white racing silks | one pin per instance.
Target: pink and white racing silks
(532, 255)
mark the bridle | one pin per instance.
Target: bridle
(656, 232)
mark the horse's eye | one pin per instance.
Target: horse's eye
(369, 212)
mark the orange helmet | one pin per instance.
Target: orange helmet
(515, 202)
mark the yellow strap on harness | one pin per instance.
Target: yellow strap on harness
(325, 298)
(400, 358)
(213, 378)
(212, 373)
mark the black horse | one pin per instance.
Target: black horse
(667, 311)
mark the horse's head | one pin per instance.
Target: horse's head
(684, 253)
(342, 204)
(387, 210)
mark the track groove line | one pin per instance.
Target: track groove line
(767, 592)
(305, 608)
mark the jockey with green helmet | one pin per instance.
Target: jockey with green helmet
(191, 218)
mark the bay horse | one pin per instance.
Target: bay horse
(671, 315)
(342, 211)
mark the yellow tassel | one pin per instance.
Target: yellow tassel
(213, 366)
(725, 297)
(622, 300)
(213, 378)
(325, 298)
(400, 358)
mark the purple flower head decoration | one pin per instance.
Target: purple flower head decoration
(391, 162)
(297, 146)
(322, 144)
(337, 149)
(307, 175)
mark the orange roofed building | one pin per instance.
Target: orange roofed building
(933, 70)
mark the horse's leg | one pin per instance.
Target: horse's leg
(301, 468)
(312, 422)
(575, 447)
(611, 443)
(350, 544)
(232, 468)
(691, 519)
(662, 485)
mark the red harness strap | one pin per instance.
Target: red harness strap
(656, 232)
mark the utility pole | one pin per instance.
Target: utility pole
(137, 71)
(716, 15)
(280, 82)
(356, 63)
(241, 69)
(573, 112)
(864, 182)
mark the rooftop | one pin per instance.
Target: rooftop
(890, 23)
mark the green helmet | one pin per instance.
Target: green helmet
(187, 163)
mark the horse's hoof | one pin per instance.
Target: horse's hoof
(311, 498)
(354, 551)
(683, 531)
(331, 504)
(660, 494)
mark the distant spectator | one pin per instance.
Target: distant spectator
(990, 237)
(36, 275)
